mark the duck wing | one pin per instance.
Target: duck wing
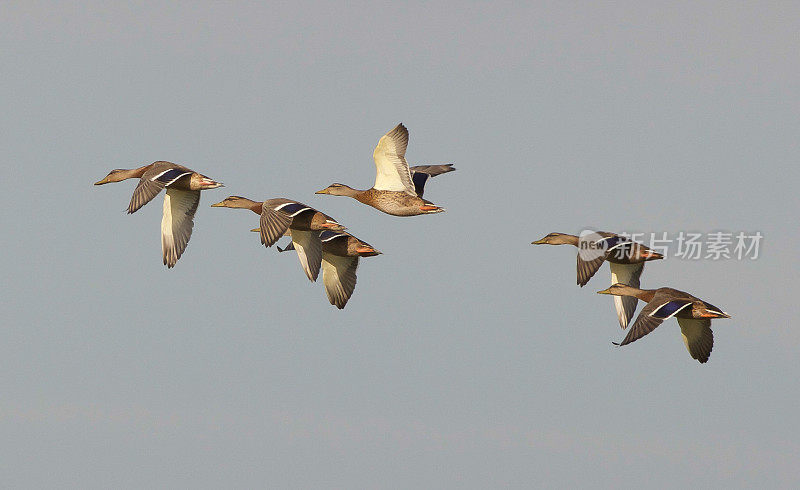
(157, 177)
(309, 251)
(659, 309)
(421, 173)
(339, 277)
(392, 172)
(626, 274)
(276, 219)
(588, 268)
(177, 223)
(698, 337)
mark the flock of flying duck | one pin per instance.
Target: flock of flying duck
(319, 240)
(322, 244)
(626, 259)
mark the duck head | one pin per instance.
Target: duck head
(234, 202)
(336, 189)
(556, 238)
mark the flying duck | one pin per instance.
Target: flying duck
(181, 199)
(693, 314)
(280, 215)
(626, 259)
(398, 189)
(340, 253)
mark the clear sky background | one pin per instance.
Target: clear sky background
(466, 357)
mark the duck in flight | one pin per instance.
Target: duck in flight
(181, 199)
(398, 189)
(693, 314)
(340, 254)
(625, 257)
(280, 215)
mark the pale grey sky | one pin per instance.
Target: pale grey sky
(467, 357)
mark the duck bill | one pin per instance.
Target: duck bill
(715, 314)
(220, 204)
(323, 191)
(541, 241)
(650, 255)
(605, 291)
(257, 230)
(333, 226)
(210, 184)
(367, 251)
(103, 181)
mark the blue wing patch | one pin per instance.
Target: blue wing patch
(615, 241)
(670, 309)
(292, 208)
(169, 176)
(419, 179)
(328, 235)
(620, 246)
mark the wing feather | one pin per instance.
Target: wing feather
(274, 224)
(419, 179)
(626, 274)
(177, 223)
(339, 277)
(588, 268)
(392, 172)
(309, 251)
(698, 337)
(432, 170)
(650, 317)
(144, 192)
(421, 173)
(643, 325)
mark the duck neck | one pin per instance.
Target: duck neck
(645, 295)
(253, 206)
(241, 203)
(134, 173)
(359, 195)
(570, 240)
(350, 192)
(559, 239)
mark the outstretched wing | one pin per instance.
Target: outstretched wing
(588, 268)
(145, 191)
(698, 337)
(432, 170)
(309, 251)
(588, 260)
(177, 223)
(339, 277)
(626, 274)
(392, 173)
(274, 224)
(651, 316)
(421, 173)
(276, 217)
(159, 176)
